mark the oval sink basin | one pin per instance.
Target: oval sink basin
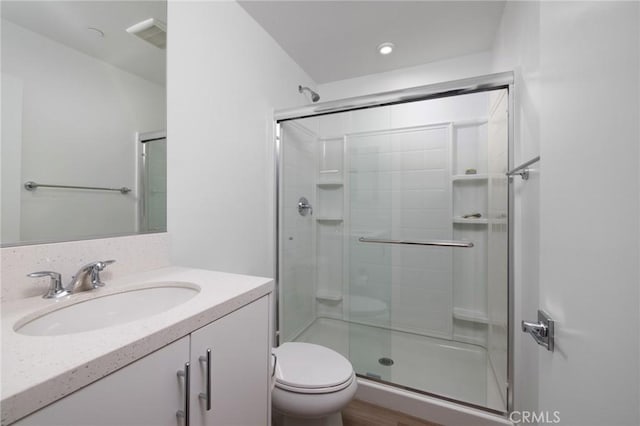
(108, 310)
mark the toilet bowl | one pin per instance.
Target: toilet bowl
(312, 385)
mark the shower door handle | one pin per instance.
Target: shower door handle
(542, 331)
(435, 243)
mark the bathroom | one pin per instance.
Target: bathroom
(570, 75)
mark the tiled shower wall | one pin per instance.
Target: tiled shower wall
(399, 189)
(398, 186)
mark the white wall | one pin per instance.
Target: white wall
(133, 253)
(11, 157)
(577, 104)
(434, 72)
(226, 76)
(590, 73)
(79, 119)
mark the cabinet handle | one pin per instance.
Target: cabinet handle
(207, 396)
(187, 386)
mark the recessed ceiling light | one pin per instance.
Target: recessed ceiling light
(385, 48)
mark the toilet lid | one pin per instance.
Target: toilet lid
(308, 366)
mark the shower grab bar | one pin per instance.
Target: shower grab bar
(31, 186)
(524, 174)
(436, 243)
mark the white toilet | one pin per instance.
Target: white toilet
(312, 385)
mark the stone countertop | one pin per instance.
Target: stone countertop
(38, 370)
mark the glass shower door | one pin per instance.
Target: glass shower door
(429, 318)
(368, 214)
(357, 273)
(297, 266)
(153, 214)
(398, 191)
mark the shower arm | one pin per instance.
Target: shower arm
(315, 97)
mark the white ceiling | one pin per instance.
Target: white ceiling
(67, 21)
(335, 40)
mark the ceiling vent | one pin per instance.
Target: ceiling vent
(152, 31)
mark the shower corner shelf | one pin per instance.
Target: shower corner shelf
(329, 219)
(459, 178)
(329, 297)
(470, 316)
(470, 221)
(329, 184)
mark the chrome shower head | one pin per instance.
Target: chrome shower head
(314, 96)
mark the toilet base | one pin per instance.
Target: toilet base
(279, 419)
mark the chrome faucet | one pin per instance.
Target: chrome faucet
(55, 289)
(89, 271)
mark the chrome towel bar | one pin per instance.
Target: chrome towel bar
(522, 169)
(436, 243)
(31, 186)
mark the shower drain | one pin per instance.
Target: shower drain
(386, 361)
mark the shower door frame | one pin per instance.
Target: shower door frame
(484, 83)
(143, 183)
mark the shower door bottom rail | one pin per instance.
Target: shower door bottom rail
(433, 243)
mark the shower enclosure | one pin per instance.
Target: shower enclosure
(152, 167)
(393, 236)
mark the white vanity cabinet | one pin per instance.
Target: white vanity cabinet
(146, 392)
(149, 391)
(239, 369)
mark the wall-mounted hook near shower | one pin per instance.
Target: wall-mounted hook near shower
(304, 207)
(314, 96)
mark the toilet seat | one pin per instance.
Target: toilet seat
(304, 390)
(311, 369)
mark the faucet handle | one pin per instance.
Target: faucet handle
(55, 285)
(95, 272)
(103, 264)
(53, 275)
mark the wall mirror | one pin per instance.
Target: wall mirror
(83, 143)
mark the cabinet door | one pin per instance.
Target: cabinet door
(145, 393)
(239, 369)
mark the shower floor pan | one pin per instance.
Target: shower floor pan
(442, 367)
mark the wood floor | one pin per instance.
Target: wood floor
(360, 413)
